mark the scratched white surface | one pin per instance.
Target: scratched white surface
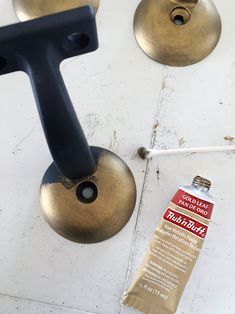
(124, 100)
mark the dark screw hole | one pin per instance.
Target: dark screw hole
(179, 20)
(76, 41)
(3, 63)
(87, 192)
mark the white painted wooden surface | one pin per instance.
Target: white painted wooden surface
(124, 100)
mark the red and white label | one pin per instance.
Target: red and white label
(193, 204)
(186, 222)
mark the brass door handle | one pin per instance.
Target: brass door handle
(88, 193)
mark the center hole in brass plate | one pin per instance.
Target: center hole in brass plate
(180, 16)
(179, 20)
(87, 192)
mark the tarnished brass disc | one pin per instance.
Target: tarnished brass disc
(92, 209)
(31, 9)
(177, 32)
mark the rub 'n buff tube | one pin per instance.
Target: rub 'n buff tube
(173, 251)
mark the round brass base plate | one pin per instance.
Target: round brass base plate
(31, 9)
(92, 209)
(176, 32)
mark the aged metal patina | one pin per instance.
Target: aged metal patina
(31, 9)
(177, 32)
(94, 208)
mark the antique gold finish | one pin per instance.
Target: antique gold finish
(177, 32)
(106, 210)
(31, 9)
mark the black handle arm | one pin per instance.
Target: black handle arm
(62, 129)
(38, 47)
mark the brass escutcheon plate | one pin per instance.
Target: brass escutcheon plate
(92, 209)
(177, 32)
(31, 9)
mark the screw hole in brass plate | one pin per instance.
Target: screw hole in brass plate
(179, 20)
(87, 192)
(180, 16)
